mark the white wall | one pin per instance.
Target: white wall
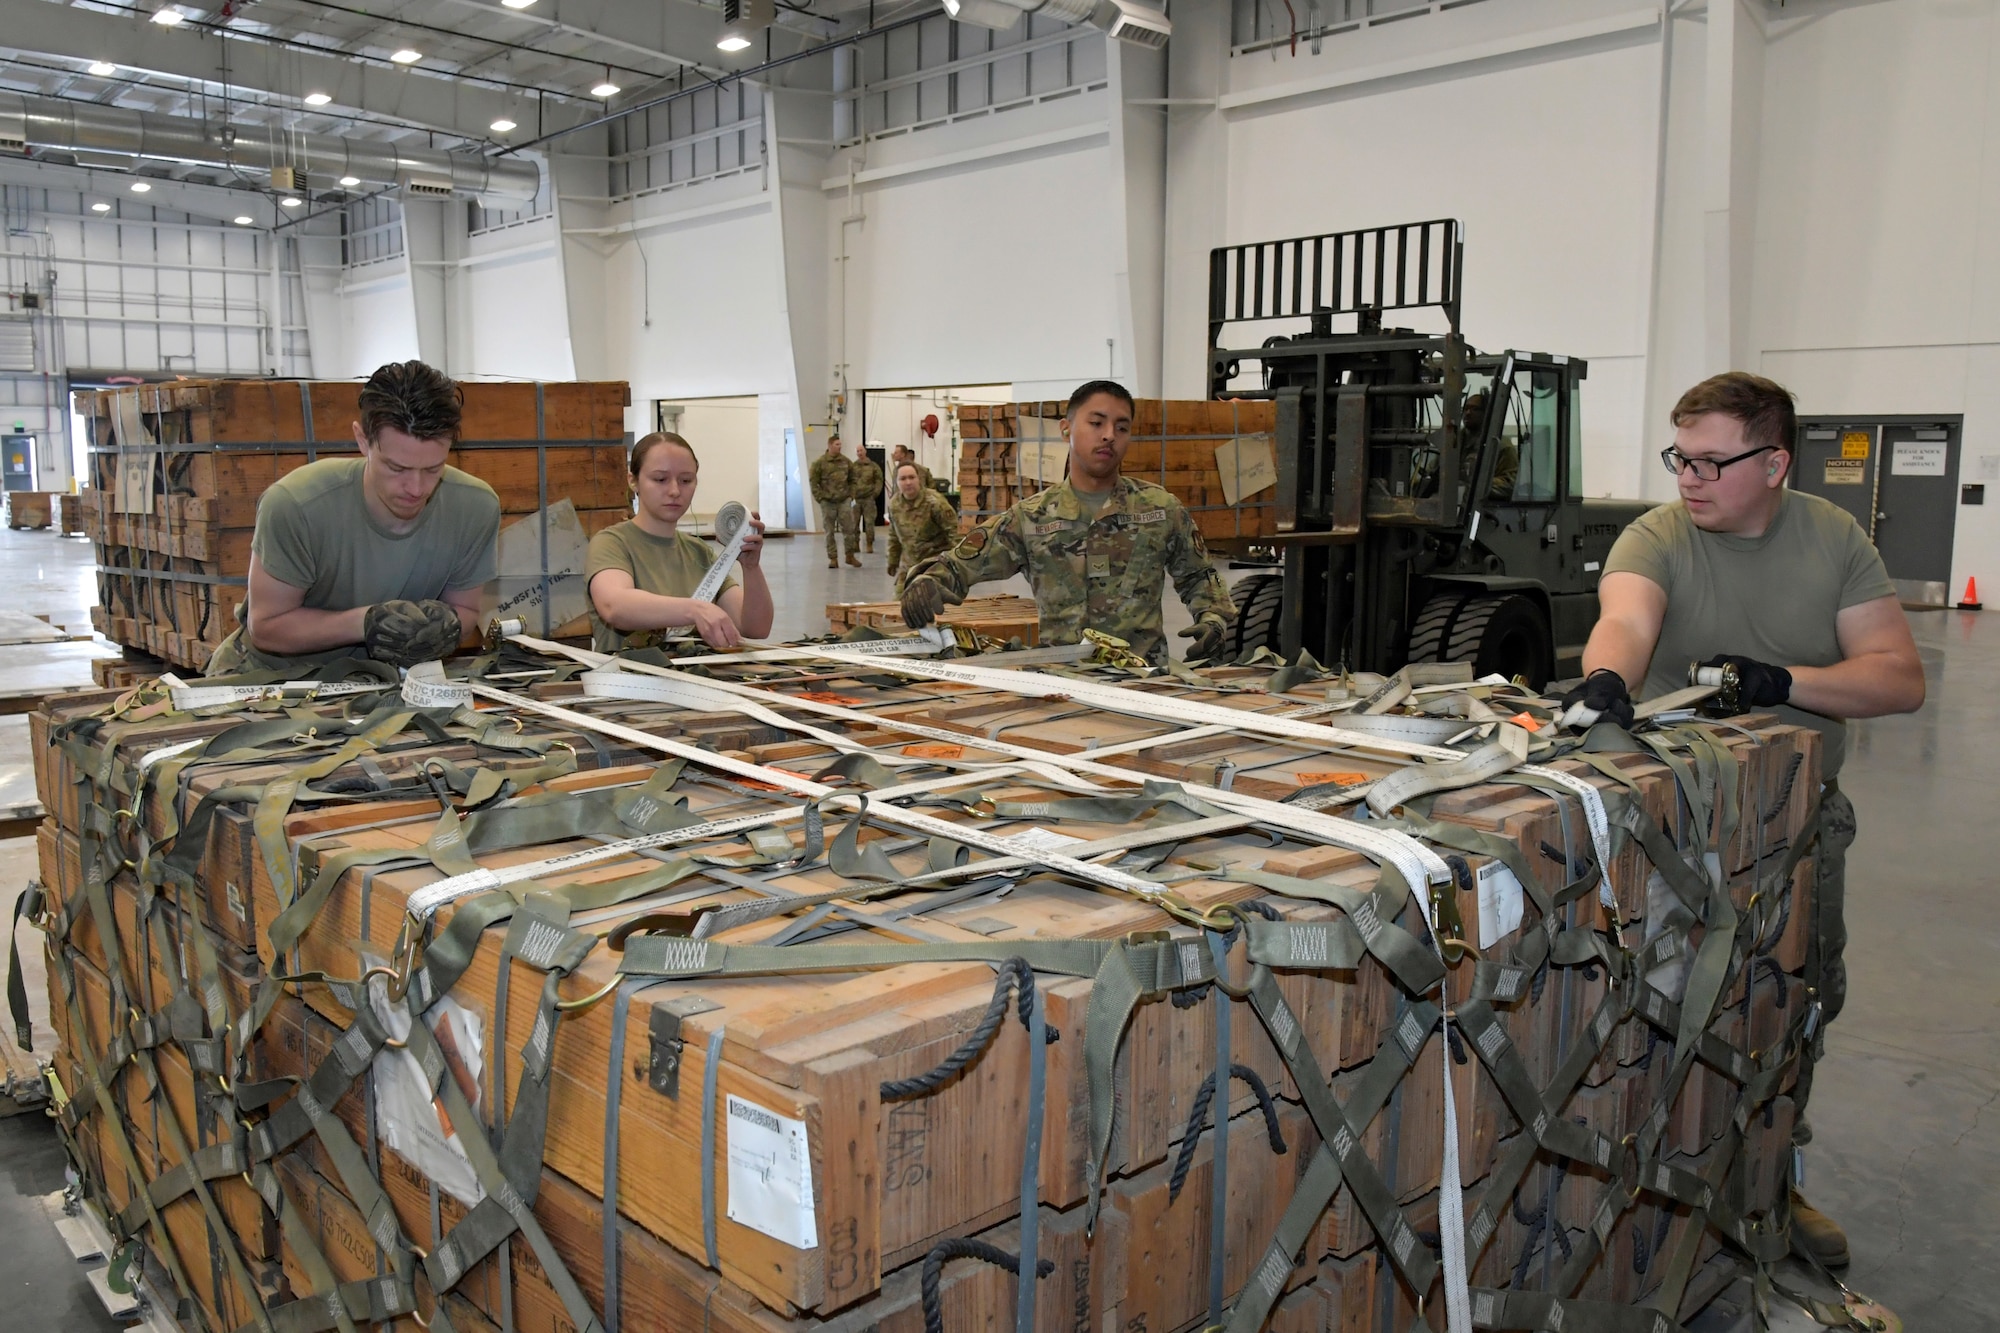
(377, 318)
(726, 438)
(510, 310)
(1878, 254)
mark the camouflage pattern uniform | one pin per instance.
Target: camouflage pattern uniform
(896, 560)
(864, 483)
(919, 528)
(1105, 575)
(831, 486)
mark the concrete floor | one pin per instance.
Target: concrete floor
(1907, 1154)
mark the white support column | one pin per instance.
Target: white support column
(798, 132)
(428, 248)
(1139, 155)
(580, 183)
(1197, 186)
(1733, 107)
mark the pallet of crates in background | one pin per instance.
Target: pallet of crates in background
(30, 509)
(1003, 619)
(775, 1096)
(177, 470)
(1216, 458)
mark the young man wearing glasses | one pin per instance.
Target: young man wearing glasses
(1785, 587)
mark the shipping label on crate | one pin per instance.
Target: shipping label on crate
(1041, 453)
(136, 465)
(770, 1174)
(520, 591)
(1247, 465)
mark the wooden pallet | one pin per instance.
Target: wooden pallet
(173, 509)
(30, 509)
(892, 1178)
(1003, 619)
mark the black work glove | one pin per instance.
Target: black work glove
(923, 598)
(1207, 633)
(404, 633)
(1601, 696)
(1758, 684)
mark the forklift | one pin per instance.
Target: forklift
(1429, 496)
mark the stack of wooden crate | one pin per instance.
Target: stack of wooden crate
(733, 1147)
(1009, 451)
(1004, 619)
(177, 470)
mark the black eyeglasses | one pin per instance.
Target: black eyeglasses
(1708, 469)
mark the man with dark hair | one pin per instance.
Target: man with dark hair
(379, 556)
(1787, 589)
(1096, 547)
(833, 486)
(864, 483)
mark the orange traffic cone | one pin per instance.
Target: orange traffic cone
(1970, 602)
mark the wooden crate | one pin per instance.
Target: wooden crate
(891, 1178)
(30, 509)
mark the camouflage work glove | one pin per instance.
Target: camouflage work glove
(923, 598)
(1208, 634)
(404, 633)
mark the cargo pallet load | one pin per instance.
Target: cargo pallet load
(1003, 619)
(177, 469)
(1215, 457)
(777, 994)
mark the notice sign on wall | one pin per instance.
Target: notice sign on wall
(1846, 472)
(1854, 444)
(1917, 458)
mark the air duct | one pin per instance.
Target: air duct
(1122, 20)
(88, 127)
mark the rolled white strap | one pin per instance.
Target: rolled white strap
(732, 528)
(425, 686)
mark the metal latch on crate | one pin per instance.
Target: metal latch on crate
(663, 1069)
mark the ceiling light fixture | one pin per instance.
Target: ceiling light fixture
(517, 4)
(103, 69)
(349, 182)
(406, 56)
(501, 126)
(606, 88)
(243, 221)
(140, 187)
(291, 201)
(317, 99)
(167, 18)
(742, 20)
(100, 207)
(733, 42)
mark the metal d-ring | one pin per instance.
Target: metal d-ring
(579, 1005)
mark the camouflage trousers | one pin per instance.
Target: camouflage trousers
(842, 524)
(1826, 962)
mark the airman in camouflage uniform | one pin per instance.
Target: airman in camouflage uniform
(922, 524)
(1096, 554)
(832, 488)
(864, 484)
(903, 454)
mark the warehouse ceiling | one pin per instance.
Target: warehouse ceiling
(254, 63)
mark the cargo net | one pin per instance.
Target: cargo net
(823, 990)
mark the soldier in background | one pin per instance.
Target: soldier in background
(832, 481)
(904, 454)
(922, 523)
(864, 483)
(1096, 547)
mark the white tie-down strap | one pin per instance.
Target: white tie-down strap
(732, 528)
(188, 698)
(1594, 818)
(425, 686)
(692, 692)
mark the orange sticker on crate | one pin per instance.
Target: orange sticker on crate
(1323, 779)
(1523, 720)
(934, 751)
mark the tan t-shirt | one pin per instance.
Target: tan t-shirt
(1774, 598)
(314, 532)
(666, 566)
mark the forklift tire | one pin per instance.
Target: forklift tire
(1499, 633)
(1260, 598)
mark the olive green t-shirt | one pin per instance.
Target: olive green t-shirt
(1774, 598)
(666, 566)
(314, 532)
